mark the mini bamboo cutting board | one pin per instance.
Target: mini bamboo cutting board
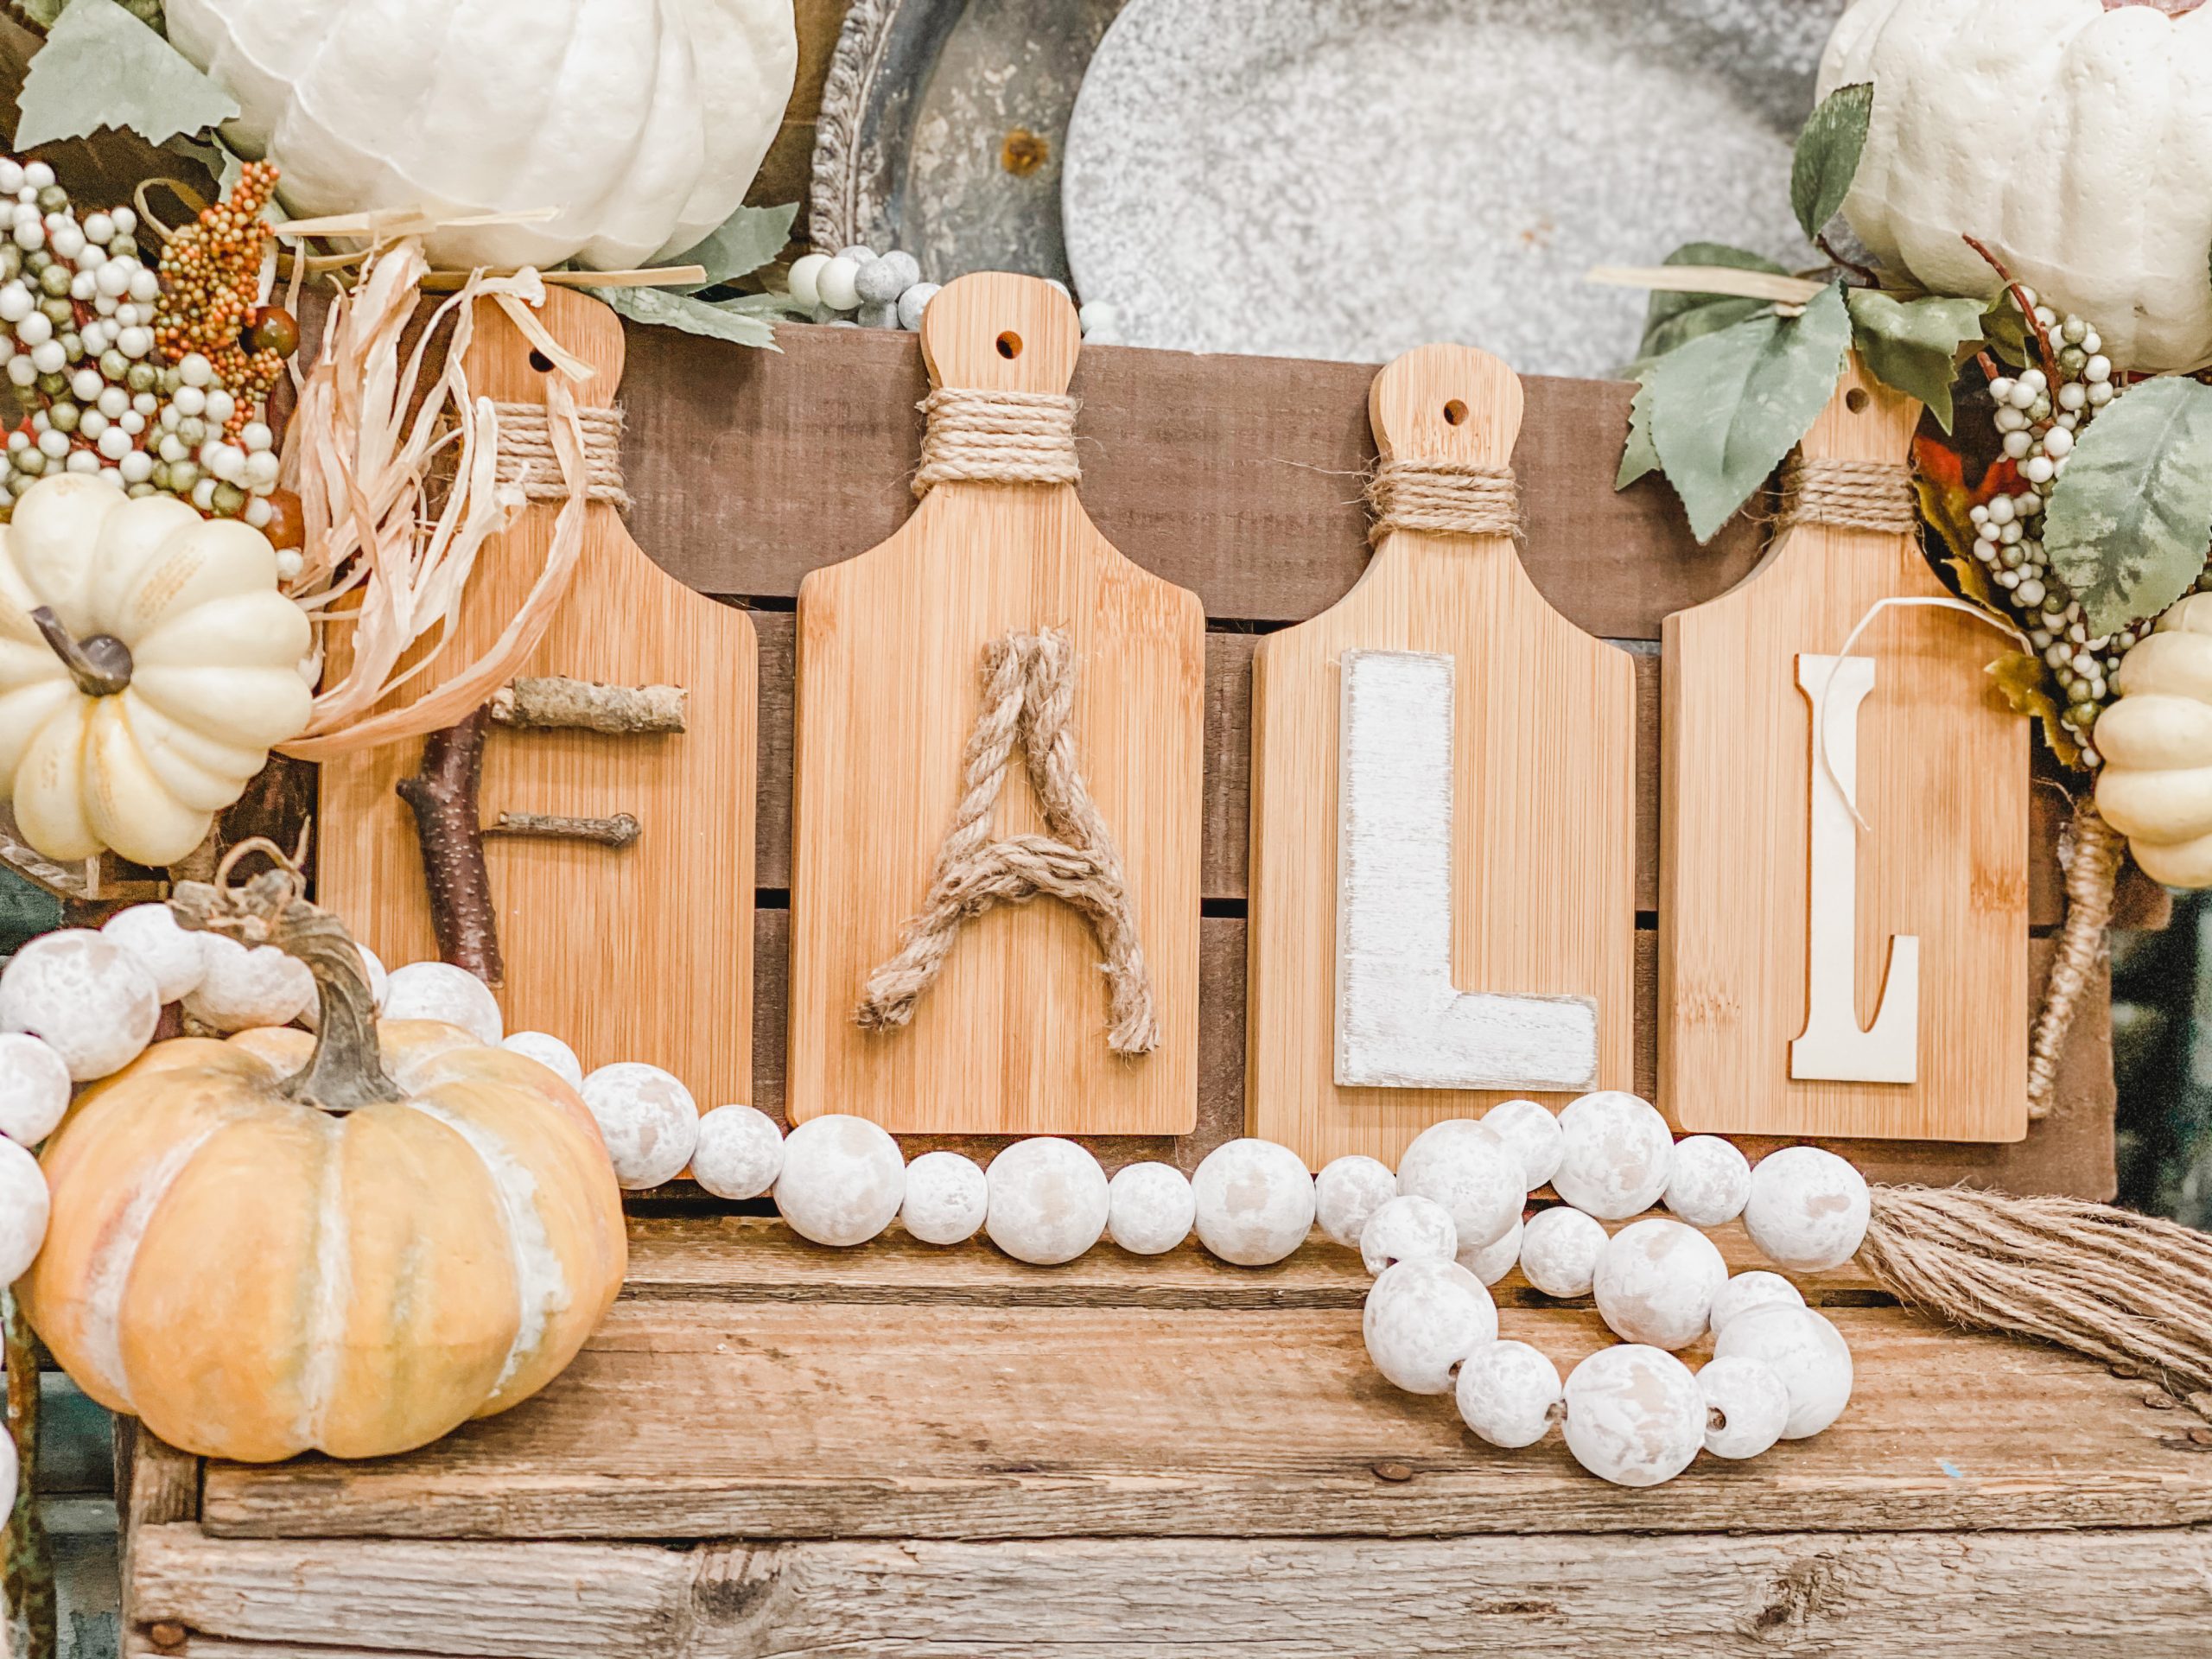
(1941, 779)
(643, 953)
(1541, 752)
(1012, 1037)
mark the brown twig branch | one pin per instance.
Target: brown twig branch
(557, 702)
(619, 830)
(2019, 298)
(444, 795)
(29, 1572)
(1873, 278)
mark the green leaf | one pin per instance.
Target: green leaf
(1638, 457)
(1673, 320)
(2130, 519)
(746, 240)
(766, 305)
(1827, 155)
(1726, 409)
(693, 316)
(101, 67)
(1913, 344)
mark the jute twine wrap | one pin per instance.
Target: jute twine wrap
(1871, 495)
(2131, 1290)
(997, 437)
(1444, 498)
(1028, 693)
(528, 459)
(2090, 851)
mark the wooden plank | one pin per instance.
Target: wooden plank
(1012, 1036)
(1237, 477)
(1995, 1595)
(1534, 785)
(575, 918)
(1061, 1420)
(1929, 1042)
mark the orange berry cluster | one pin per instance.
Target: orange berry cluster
(211, 280)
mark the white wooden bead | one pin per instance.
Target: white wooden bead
(1560, 1249)
(646, 1116)
(842, 1179)
(1616, 1156)
(166, 952)
(1254, 1202)
(1149, 1208)
(739, 1153)
(1532, 1133)
(549, 1051)
(1655, 1282)
(1506, 1393)
(10, 1472)
(24, 1208)
(244, 989)
(438, 990)
(1807, 1209)
(33, 1088)
(1752, 1404)
(1491, 1262)
(87, 996)
(1806, 1351)
(380, 980)
(1422, 1319)
(1347, 1191)
(947, 1197)
(1048, 1200)
(1409, 1229)
(1710, 1181)
(1757, 1288)
(1472, 1172)
(1635, 1415)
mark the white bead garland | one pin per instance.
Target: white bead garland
(1347, 1191)
(947, 1197)
(1470, 1170)
(23, 1208)
(1149, 1208)
(1616, 1155)
(33, 1088)
(1655, 1282)
(1409, 1229)
(438, 990)
(1254, 1202)
(842, 1179)
(1710, 1181)
(1746, 1291)
(1806, 1350)
(549, 1051)
(1809, 1209)
(1421, 1319)
(1048, 1200)
(243, 988)
(1559, 1248)
(1635, 1415)
(646, 1116)
(1748, 1397)
(1533, 1135)
(739, 1154)
(1491, 1262)
(174, 957)
(88, 997)
(1507, 1393)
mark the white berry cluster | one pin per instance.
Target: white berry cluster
(859, 286)
(2038, 421)
(77, 344)
(1445, 1228)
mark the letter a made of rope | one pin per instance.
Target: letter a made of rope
(1028, 690)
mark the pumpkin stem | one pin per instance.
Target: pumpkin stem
(347, 1070)
(100, 665)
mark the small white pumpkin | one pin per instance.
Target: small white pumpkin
(147, 664)
(2155, 785)
(640, 122)
(2071, 137)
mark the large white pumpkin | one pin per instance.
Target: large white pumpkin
(186, 670)
(641, 121)
(2075, 141)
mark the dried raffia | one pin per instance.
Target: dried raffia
(381, 554)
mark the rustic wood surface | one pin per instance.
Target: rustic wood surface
(1542, 788)
(1943, 786)
(624, 953)
(898, 1391)
(1012, 1037)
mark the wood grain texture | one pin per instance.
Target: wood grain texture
(1996, 1595)
(629, 955)
(1943, 782)
(1543, 787)
(1011, 1038)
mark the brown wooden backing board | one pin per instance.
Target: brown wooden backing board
(1942, 783)
(1543, 817)
(1012, 1037)
(631, 954)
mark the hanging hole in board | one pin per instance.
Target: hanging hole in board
(542, 363)
(1455, 413)
(1009, 345)
(1856, 400)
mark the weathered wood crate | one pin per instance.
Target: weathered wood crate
(772, 1448)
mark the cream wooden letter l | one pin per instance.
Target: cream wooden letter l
(1833, 1047)
(1400, 1021)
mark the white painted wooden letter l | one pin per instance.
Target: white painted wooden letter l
(1400, 1021)
(1834, 1046)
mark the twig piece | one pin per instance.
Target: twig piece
(2020, 299)
(29, 1574)
(616, 831)
(444, 795)
(557, 702)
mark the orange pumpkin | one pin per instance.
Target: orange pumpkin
(353, 1243)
